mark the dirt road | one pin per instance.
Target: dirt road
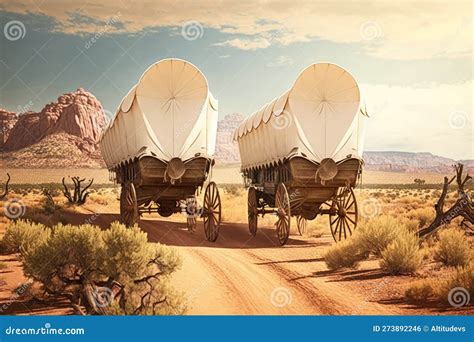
(241, 274)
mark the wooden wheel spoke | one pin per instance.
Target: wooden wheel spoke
(349, 228)
(337, 227)
(344, 220)
(350, 219)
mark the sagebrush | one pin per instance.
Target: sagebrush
(453, 248)
(113, 271)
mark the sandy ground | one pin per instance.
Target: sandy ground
(240, 274)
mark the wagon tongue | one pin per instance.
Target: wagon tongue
(175, 170)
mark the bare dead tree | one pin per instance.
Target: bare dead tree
(462, 207)
(79, 195)
(5, 193)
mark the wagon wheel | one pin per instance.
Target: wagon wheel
(282, 204)
(252, 210)
(343, 221)
(212, 212)
(301, 222)
(128, 205)
(191, 213)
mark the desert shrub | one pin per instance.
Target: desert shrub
(114, 271)
(23, 235)
(419, 291)
(453, 248)
(376, 234)
(422, 215)
(49, 206)
(344, 254)
(462, 277)
(402, 255)
(99, 199)
(233, 189)
(410, 224)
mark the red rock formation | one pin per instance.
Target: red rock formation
(78, 113)
(7, 122)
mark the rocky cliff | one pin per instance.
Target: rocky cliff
(72, 123)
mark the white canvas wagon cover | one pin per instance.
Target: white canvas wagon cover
(319, 117)
(169, 113)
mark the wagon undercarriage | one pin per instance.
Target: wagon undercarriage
(287, 190)
(149, 186)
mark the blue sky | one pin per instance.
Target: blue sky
(413, 61)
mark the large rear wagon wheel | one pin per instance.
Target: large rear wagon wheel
(252, 210)
(301, 223)
(212, 212)
(282, 204)
(128, 205)
(344, 220)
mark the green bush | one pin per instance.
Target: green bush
(22, 235)
(114, 271)
(402, 255)
(376, 234)
(344, 254)
(453, 248)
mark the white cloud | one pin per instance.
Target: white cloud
(408, 29)
(246, 44)
(280, 61)
(429, 118)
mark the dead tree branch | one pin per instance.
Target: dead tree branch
(5, 193)
(79, 196)
(462, 207)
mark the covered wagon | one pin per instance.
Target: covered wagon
(301, 154)
(160, 146)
